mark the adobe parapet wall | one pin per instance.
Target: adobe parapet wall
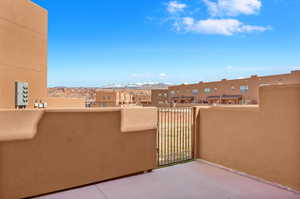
(262, 141)
(56, 149)
(23, 124)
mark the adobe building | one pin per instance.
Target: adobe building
(141, 97)
(122, 97)
(23, 56)
(112, 98)
(237, 91)
(160, 97)
(23, 50)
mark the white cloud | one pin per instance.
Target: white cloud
(174, 7)
(226, 27)
(182, 17)
(233, 7)
(162, 75)
(189, 21)
(177, 25)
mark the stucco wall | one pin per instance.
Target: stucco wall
(262, 141)
(23, 50)
(160, 97)
(72, 148)
(64, 102)
(232, 87)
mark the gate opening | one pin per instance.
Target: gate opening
(175, 135)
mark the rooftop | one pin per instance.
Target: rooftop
(239, 79)
(61, 149)
(196, 179)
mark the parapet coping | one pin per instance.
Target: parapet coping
(108, 109)
(66, 110)
(23, 124)
(83, 110)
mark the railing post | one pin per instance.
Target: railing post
(158, 137)
(194, 133)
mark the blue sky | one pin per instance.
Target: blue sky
(184, 41)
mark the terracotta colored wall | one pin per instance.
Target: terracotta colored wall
(73, 148)
(224, 87)
(108, 98)
(159, 97)
(141, 97)
(23, 50)
(63, 102)
(118, 97)
(262, 141)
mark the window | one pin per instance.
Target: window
(195, 91)
(244, 88)
(159, 94)
(232, 88)
(166, 95)
(207, 90)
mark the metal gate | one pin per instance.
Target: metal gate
(175, 135)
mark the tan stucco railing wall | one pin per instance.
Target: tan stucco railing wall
(71, 147)
(262, 141)
(65, 102)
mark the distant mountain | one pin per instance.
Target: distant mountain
(145, 85)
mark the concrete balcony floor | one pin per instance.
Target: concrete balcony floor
(194, 180)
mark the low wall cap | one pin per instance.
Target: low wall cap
(138, 119)
(19, 125)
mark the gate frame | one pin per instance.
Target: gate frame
(193, 135)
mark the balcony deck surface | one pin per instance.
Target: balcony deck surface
(194, 180)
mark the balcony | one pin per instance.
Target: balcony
(49, 151)
(196, 179)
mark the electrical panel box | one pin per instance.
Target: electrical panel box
(22, 94)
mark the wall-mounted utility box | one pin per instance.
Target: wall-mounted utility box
(22, 94)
